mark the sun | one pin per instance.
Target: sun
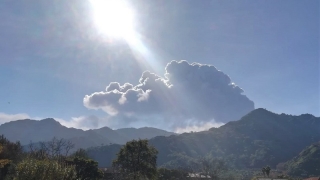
(113, 17)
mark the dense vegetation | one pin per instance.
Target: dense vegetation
(10, 153)
(137, 160)
(258, 139)
(49, 161)
(307, 162)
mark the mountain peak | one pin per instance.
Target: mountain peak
(307, 116)
(50, 121)
(104, 128)
(260, 111)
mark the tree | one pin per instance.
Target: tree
(80, 153)
(213, 168)
(56, 148)
(136, 160)
(263, 171)
(267, 169)
(10, 150)
(3, 162)
(85, 168)
(10, 153)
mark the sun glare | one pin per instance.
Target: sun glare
(113, 17)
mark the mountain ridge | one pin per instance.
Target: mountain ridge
(28, 130)
(258, 139)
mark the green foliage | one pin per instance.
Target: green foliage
(46, 161)
(10, 150)
(86, 169)
(213, 167)
(306, 162)
(3, 162)
(182, 161)
(10, 153)
(32, 169)
(259, 138)
(137, 159)
(104, 154)
(80, 153)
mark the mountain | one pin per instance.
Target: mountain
(142, 133)
(117, 138)
(258, 139)
(307, 162)
(31, 130)
(27, 131)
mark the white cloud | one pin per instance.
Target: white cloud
(187, 91)
(81, 122)
(84, 122)
(12, 117)
(190, 97)
(197, 128)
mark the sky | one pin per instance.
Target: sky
(188, 65)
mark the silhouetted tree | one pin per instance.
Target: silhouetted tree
(268, 169)
(263, 171)
(3, 162)
(137, 159)
(80, 153)
(10, 153)
(213, 168)
(54, 149)
(10, 150)
(85, 168)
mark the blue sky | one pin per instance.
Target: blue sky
(52, 54)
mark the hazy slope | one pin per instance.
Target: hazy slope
(142, 133)
(32, 130)
(113, 135)
(28, 130)
(258, 139)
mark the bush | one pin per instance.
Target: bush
(30, 169)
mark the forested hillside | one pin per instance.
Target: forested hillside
(307, 162)
(260, 138)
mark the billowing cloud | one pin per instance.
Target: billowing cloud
(196, 93)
